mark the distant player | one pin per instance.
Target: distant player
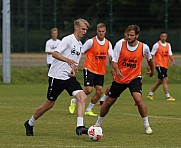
(61, 77)
(161, 53)
(127, 63)
(97, 49)
(105, 96)
(51, 45)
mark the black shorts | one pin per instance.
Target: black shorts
(162, 72)
(92, 79)
(117, 88)
(56, 86)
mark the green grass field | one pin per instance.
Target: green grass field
(122, 127)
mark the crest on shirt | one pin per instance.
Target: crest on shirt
(74, 52)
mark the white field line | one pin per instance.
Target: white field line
(157, 117)
(125, 114)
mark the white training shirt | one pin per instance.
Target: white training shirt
(155, 48)
(118, 46)
(70, 48)
(88, 44)
(51, 45)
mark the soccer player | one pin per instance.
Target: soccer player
(105, 96)
(51, 45)
(97, 49)
(127, 63)
(61, 77)
(161, 53)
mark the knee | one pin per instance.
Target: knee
(88, 91)
(99, 92)
(108, 103)
(48, 105)
(82, 97)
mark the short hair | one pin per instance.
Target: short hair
(54, 29)
(80, 20)
(101, 25)
(136, 28)
(163, 32)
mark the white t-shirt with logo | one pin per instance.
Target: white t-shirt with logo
(51, 45)
(70, 48)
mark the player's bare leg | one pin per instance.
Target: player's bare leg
(105, 96)
(154, 88)
(94, 100)
(87, 90)
(104, 110)
(165, 88)
(38, 113)
(81, 103)
(142, 108)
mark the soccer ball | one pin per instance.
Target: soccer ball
(95, 133)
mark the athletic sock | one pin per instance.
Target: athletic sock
(74, 101)
(99, 121)
(89, 107)
(167, 95)
(31, 122)
(80, 121)
(151, 93)
(145, 122)
(103, 98)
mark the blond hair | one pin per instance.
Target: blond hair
(54, 29)
(101, 25)
(80, 20)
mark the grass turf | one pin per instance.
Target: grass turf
(122, 127)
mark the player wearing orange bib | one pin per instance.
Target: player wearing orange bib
(127, 63)
(162, 52)
(97, 49)
(105, 96)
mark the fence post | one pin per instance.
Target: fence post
(6, 58)
(55, 13)
(166, 15)
(26, 25)
(110, 20)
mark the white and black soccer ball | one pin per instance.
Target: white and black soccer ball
(95, 133)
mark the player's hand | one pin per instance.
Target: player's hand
(113, 72)
(118, 73)
(173, 63)
(72, 73)
(150, 73)
(71, 63)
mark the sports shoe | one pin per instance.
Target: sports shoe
(29, 129)
(148, 130)
(81, 130)
(100, 103)
(170, 99)
(72, 107)
(90, 113)
(150, 97)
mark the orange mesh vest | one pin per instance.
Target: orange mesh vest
(129, 63)
(95, 60)
(162, 55)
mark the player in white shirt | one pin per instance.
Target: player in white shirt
(162, 53)
(62, 77)
(127, 63)
(96, 49)
(51, 45)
